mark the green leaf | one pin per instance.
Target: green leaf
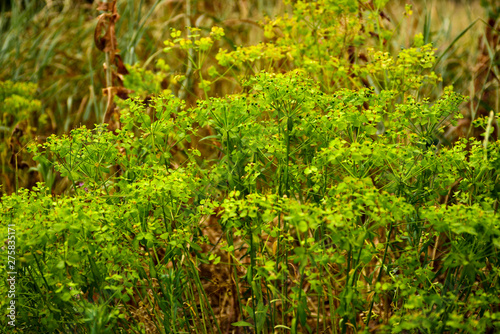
(282, 326)
(241, 324)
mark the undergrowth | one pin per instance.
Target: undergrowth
(306, 184)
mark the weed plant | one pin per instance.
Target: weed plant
(321, 196)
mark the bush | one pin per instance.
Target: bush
(310, 201)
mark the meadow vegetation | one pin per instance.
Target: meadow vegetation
(252, 167)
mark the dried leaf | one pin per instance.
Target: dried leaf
(107, 6)
(119, 64)
(99, 40)
(116, 91)
(123, 92)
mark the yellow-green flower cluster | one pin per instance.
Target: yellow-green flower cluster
(194, 39)
(250, 54)
(217, 33)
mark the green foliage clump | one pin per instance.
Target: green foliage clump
(18, 102)
(19, 123)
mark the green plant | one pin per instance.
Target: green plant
(20, 122)
(323, 197)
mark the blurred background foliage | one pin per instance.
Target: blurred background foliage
(49, 44)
